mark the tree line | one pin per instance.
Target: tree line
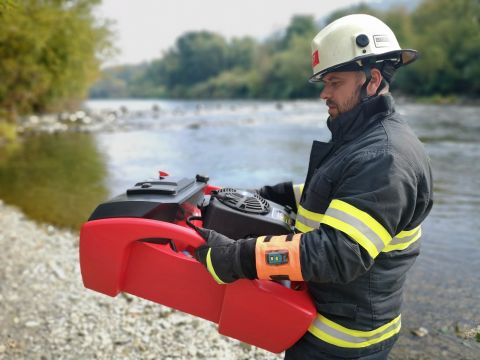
(206, 65)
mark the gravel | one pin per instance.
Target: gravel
(46, 313)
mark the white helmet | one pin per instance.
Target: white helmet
(353, 42)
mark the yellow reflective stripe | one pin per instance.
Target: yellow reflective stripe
(353, 232)
(297, 191)
(210, 268)
(364, 217)
(357, 224)
(336, 334)
(404, 239)
(302, 228)
(310, 214)
(406, 233)
(307, 220)
(359, 333)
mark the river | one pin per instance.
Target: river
(252, 143)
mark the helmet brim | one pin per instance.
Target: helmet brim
(397, 57)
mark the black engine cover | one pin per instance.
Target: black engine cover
(235, 213)
(166, 199)
(242, 214)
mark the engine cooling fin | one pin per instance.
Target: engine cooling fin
(243, 200)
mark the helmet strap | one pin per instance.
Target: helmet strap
(367, 70)
(381, 86)
(384, 82)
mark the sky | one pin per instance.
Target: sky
(147, 28)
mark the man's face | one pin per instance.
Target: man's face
(341, 91)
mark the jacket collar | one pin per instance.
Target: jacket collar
(351, 124)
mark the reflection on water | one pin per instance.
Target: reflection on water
(57, 179)
(249, 144)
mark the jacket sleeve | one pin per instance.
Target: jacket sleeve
(373, 201)
(282, 193)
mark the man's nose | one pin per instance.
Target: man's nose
(324, 94)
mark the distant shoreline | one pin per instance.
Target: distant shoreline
(434, 99)
(84, 120)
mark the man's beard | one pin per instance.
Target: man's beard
(347, 105)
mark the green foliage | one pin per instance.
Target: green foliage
(49, 54)
(289, 72)
(116, 81)
(227, 85)
(241, 53)
(196, 57)
(449, 41)
(301, 26)
(203, 64)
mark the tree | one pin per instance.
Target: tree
(284, 65)
(449, 42)
(289, 72)
(200, 55)
(301, 26)
(241, 53)
(196, 57)
(50, 53)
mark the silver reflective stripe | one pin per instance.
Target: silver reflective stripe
(338, 335)
(401, 240)
(357, 224)
(310, 223)
(404, 239)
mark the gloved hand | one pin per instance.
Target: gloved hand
(227, 260)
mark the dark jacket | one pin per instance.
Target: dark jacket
(365, 195)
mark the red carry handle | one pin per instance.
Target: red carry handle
(105, 247)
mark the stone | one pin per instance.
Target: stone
(420, 332)
(50, 230)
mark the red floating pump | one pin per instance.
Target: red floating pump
(139, 243)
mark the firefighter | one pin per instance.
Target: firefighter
(360, 210)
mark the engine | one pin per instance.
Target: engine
(232, 212)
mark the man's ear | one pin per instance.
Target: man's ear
(374, 82)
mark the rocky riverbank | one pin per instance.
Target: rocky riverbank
(46, 313)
